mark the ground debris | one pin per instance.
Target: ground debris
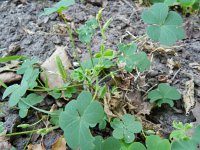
(36, 147)
(50, 68)
(188, 96)
(60, 144)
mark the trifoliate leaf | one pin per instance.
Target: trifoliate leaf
(126, 128)
(133, 59)
(154, 142)
(86, 31)
(58, 7)
(164, 94)
(31, 99)
(76, 119)
(107, 144)
(164, 26)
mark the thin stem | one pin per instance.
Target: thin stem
(31, 131)
(71, 40)
(140, 38)
(38, 109)
(90, 52)
(96, 89)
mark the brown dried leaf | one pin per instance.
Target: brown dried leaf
(36, 147)
(137, 104)
(60, 144)
(50, 68)
(188, 97)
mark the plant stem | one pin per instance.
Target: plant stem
(38, 109)
(90, 52)
(31, 131)
(71, 40)
(140, 38)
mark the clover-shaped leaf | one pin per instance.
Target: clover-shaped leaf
(154, 142)
(86, 31)
(31, 99)
(126, 128)
(132, 58)
(164, 26)
(76, 119)
(58, 7)
(164, 94)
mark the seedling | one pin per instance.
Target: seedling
(164, 94)
(180, 132)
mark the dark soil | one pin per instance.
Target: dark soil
(34, 36)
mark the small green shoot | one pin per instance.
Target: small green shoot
(126, 128)
(61, 68)
(164, 94)
(180, 132)
(58, 7)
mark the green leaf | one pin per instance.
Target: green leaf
(56, 94)
(107, 144)
(76, 119)
(61, 68)
(186, 3)
(164, 26)
(27, 64)
(9, 58)
(31, 99)
(184, 145)
(55, 117)
(1, 128)
(136, 146)
(86, 31)
(3, 84)
(164, 94)
(170, 2)
(69, 91)
(16, 92)
(180, 132)
(126, 128)
(133, 59)
(154, 142)
(58, 7)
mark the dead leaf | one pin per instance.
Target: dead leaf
(172, 65)
(9, 77)
(36, 147)
(136, 104)
(188, 97)
(60, 144)
(50, 68)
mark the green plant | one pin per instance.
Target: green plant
(132, 58)
(180, 132)
(164, 26)
(24, 103)
(76, 119)
(126, 127)
(164, 94)
(191, 144)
